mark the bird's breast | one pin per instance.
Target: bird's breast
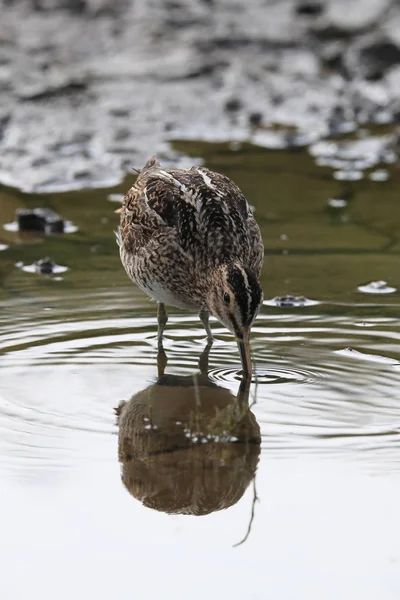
(167, 295)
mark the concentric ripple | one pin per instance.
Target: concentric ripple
(325, 380)
(269, 375)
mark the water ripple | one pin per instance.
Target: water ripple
(323, 382)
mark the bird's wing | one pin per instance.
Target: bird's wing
(157, 204)
(209, 213)
(244, 231)
(205, 211)
(169, 198)
(256, 245)
(138, 222)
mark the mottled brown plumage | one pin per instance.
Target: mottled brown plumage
(188, 238)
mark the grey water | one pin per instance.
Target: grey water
(128, 474)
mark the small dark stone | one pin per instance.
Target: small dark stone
(201, 71)
(39, 162)
(120, 111)
(45, 265)
(4, 120)
(48, 91)
(77, 6)
(39, 219)
(378, 57)
(339, 118)
(255, 119)
(122, 134)
(332, 32)
(233, 105)
(396, 116)
(335, 62)
(309, 9)
(277, 99)
(290, 301)
(75, 145)
(84, 174)
(171, 5)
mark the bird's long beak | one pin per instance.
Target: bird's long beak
(119, 210)
(244, 351)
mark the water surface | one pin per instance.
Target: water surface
(153, 502)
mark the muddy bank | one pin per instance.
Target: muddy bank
(91, 88)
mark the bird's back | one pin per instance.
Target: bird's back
(210, 217)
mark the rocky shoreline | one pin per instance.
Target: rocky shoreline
(91, 88)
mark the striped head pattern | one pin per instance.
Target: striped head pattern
(234, 298)
(245, 297)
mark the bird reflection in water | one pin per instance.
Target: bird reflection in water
(187, 445)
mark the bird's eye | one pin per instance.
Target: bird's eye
(227, 298)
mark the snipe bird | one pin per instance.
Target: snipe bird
(188, 238)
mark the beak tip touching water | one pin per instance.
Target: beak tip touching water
(244, 351)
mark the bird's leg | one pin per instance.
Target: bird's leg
(244, 392)
(162, 320)
(203, 360)
(204, 318)
(162, 361)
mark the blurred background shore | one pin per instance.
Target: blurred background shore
(90, 88)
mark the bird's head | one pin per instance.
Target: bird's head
(234, 298)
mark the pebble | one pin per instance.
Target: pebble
(290, 301)
(337, 202)
(348, 175)
(44, 266)
(376, 287)
(39, 219)
(379, 175)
